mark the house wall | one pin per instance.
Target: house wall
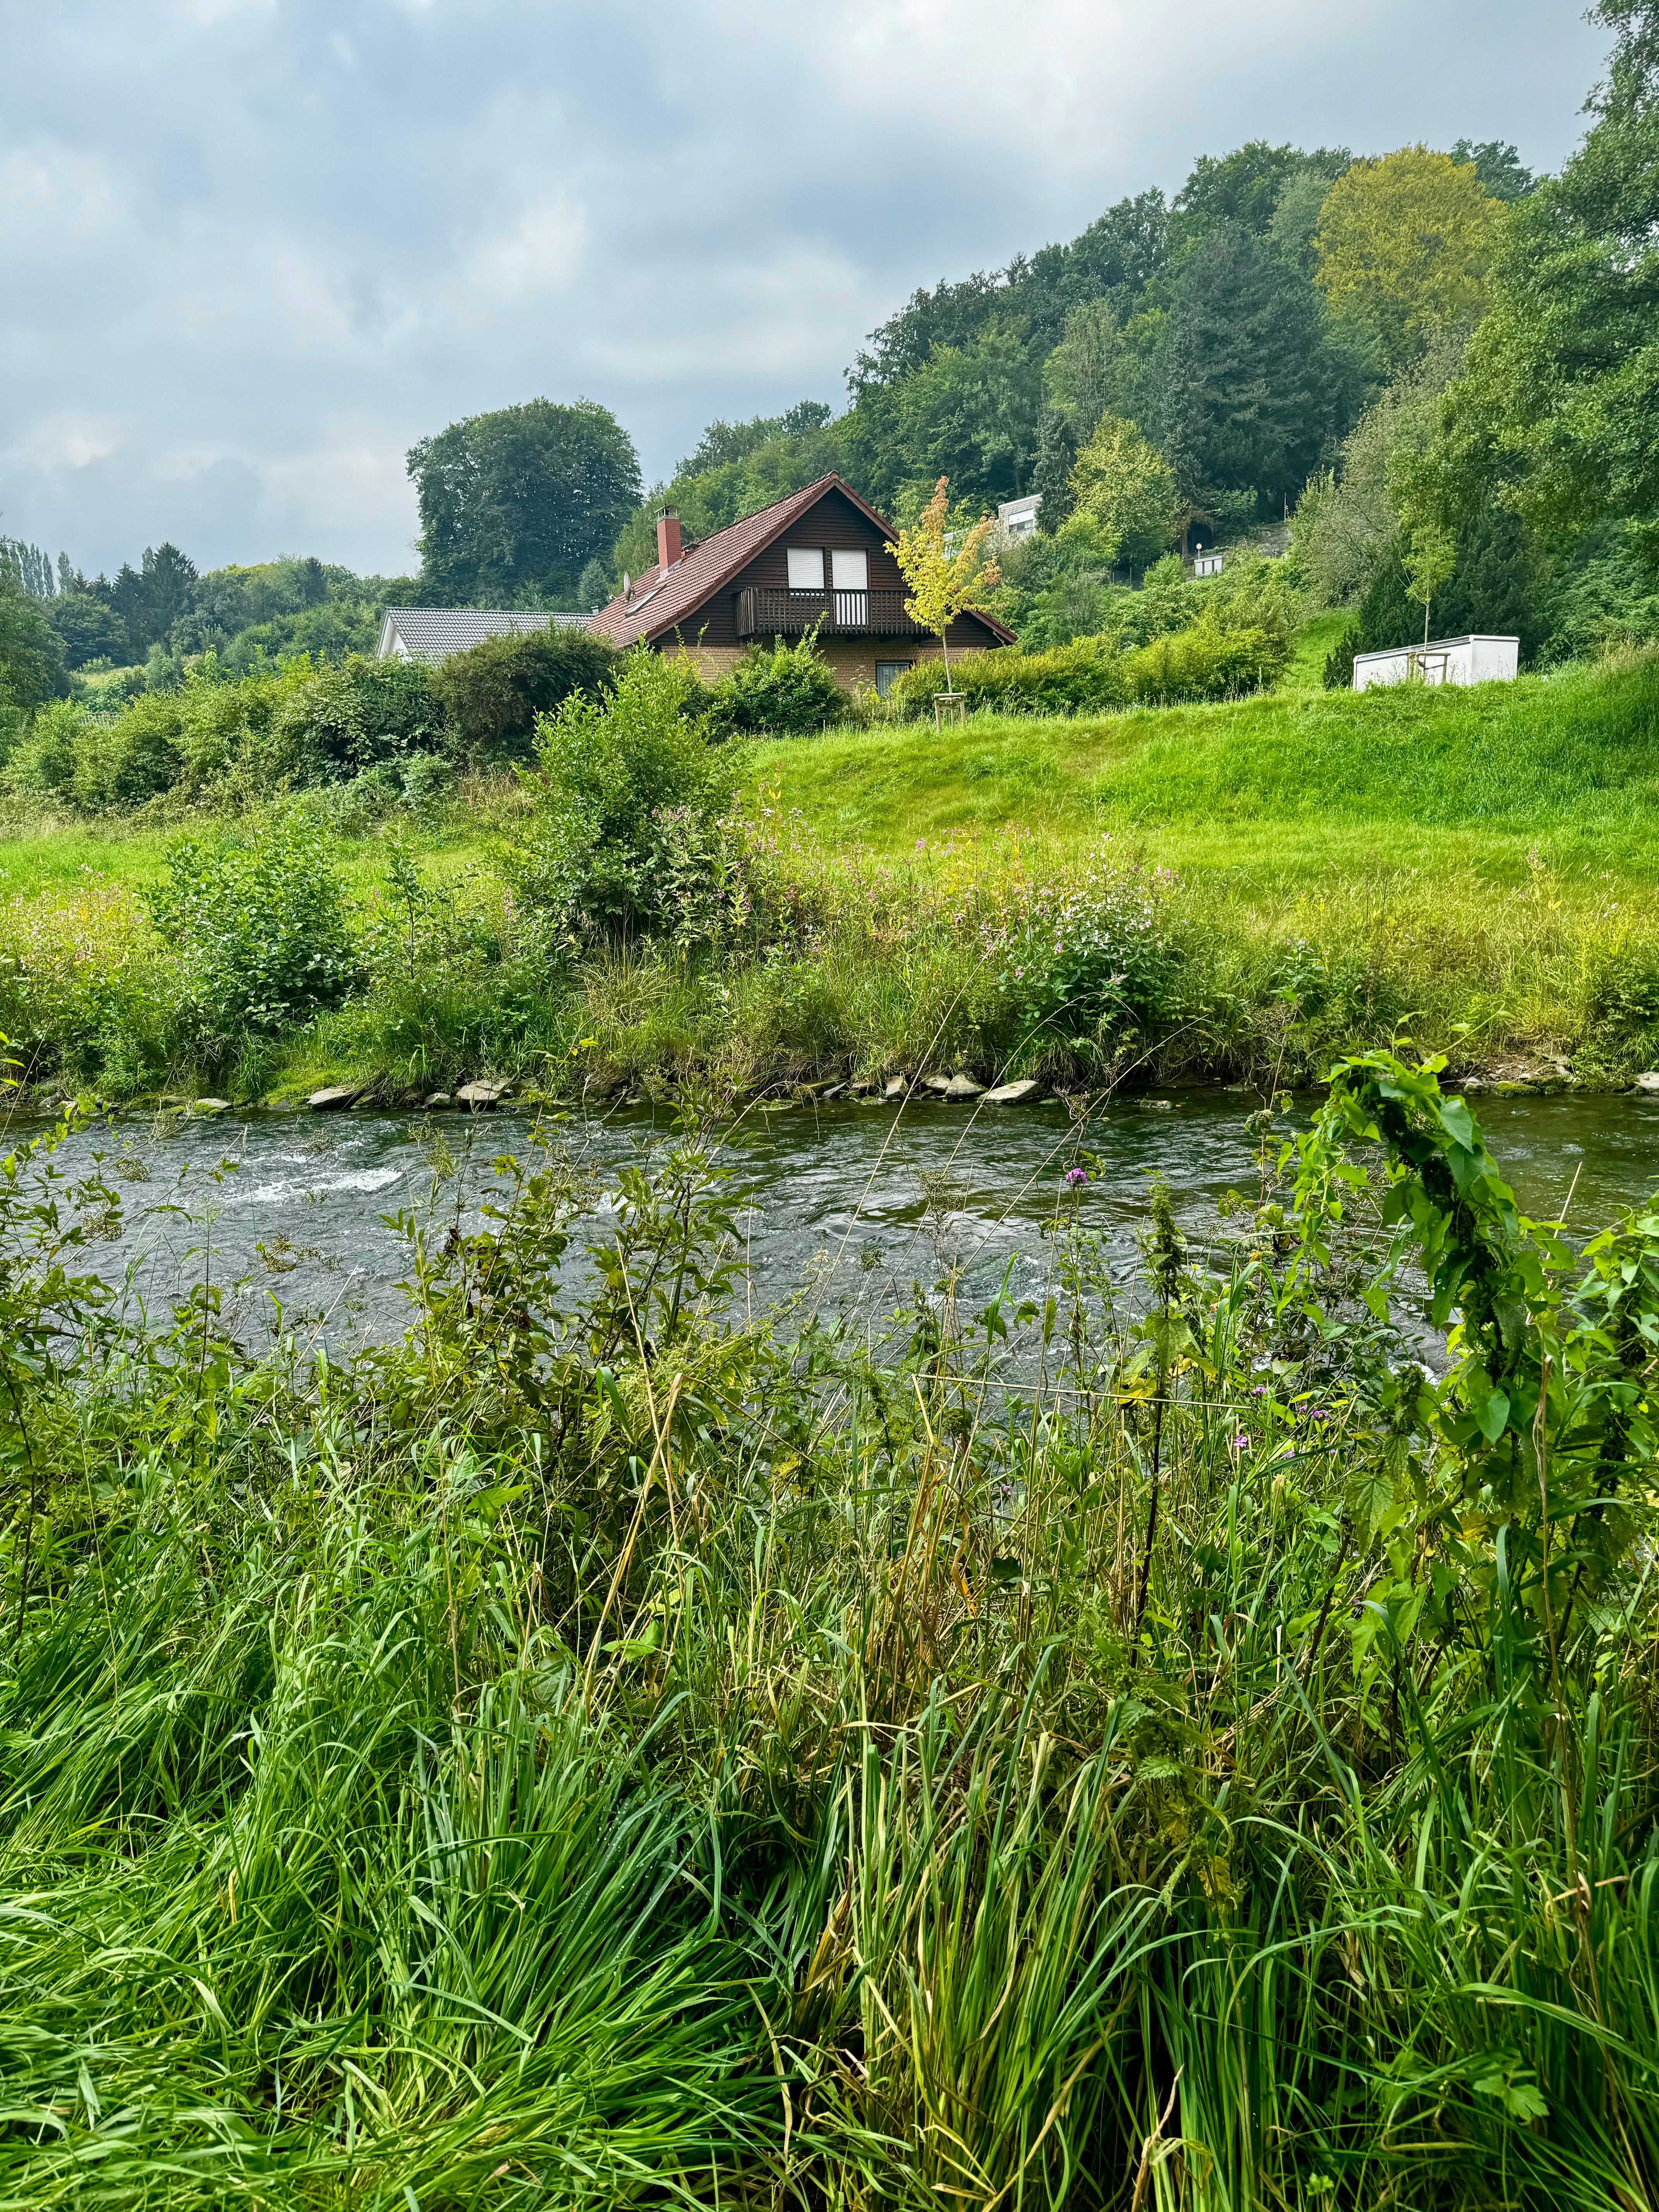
(834, 525)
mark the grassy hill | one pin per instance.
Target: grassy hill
(1566, 765)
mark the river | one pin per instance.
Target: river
(843, 1208)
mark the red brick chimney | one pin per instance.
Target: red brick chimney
(668, 539)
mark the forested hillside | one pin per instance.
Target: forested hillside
(1386, 358)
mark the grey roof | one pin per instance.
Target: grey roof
(433, 632)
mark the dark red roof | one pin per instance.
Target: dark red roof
(663, 598)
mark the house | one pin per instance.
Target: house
(1017, 517)
(1443, 661)
(432, 633)
(821, 559)
(1209, 563)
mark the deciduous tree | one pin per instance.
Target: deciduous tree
(945, 580)
(1404, 245)
(1125, 485)
(514, 504)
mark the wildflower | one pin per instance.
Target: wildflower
(1241, 1441)
(1076, 1177)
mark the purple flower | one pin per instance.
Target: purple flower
(1241, 1441)
(1076, 1177)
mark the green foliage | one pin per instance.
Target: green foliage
(493, 692)
(518, 502)
(620, 780)
(1125, 487)
(1094, 675)
(787, 691)
(258, 925)
(1558, 409)
(1404, 245)
(30, 653)
(89, 629)
(868, 1707)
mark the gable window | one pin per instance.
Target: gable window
(805, 568)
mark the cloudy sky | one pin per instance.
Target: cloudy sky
(250, 250)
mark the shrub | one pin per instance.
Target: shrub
(123, 763)
(42, 761)
(1084, 678)
(1204, 662)
(1092, 676)
(493, 692)
(338, 720)
(613, 771)
(787, 691)
(258, 926)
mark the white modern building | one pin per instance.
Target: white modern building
(432, 633)
(1443, 660)
(1017, 517)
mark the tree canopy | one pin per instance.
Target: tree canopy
(1404, 243)
(514, 504)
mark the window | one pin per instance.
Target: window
(805, 568)
(850, 572)
(888, 673)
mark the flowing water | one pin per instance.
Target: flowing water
(841, 1208)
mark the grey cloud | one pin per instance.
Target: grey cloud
(254, 248)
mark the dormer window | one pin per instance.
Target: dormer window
(805, 568)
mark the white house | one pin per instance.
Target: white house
(432, 634)
(1017, 517)
(1443, 660)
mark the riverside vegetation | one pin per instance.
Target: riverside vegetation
(1234, 890)
(1145, 1745)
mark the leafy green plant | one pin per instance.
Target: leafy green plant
(609, 770)
(259, 927)
(493, 692)
(787, 690)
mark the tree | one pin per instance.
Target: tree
(1051, 476)
(1404, 243)
(970, 414)
(1085, 376)
(493, 692)
(1246, 388)
(944, 582)
(1559, 407)
(89, 629)
(1125, 485)
(31, 652)
(1430, 556)
(514, 504)
(1498, 166)
(151, 598)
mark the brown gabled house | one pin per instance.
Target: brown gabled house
(821, 559)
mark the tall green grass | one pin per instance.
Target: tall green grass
(637, 1758)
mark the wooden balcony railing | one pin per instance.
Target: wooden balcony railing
(767, 612)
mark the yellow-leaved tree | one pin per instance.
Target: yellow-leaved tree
(946, 580)
(1404, 243)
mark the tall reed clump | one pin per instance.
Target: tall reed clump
(1135, 1745)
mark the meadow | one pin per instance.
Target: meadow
(1320, 871)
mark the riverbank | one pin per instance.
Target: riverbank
(623, 1746)
(1271, 882)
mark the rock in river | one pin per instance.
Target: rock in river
(1013, 1094)
(335, 1099)
(482, 1095)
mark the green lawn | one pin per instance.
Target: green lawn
(1288, 784)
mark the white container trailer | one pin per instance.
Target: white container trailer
(1443, 660)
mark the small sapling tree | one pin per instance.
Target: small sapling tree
(1430, 559)
(944, 582)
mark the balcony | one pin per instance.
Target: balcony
(767, 612)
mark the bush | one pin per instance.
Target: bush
(337, 721)
(787, 691)
(42, 761)
(1084, 678)
(1204, 662)
(259, 927)
(620, 778)
(493, 692)
(1092, 676)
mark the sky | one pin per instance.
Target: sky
(251, 250)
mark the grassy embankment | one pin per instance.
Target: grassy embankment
(1479, 865)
